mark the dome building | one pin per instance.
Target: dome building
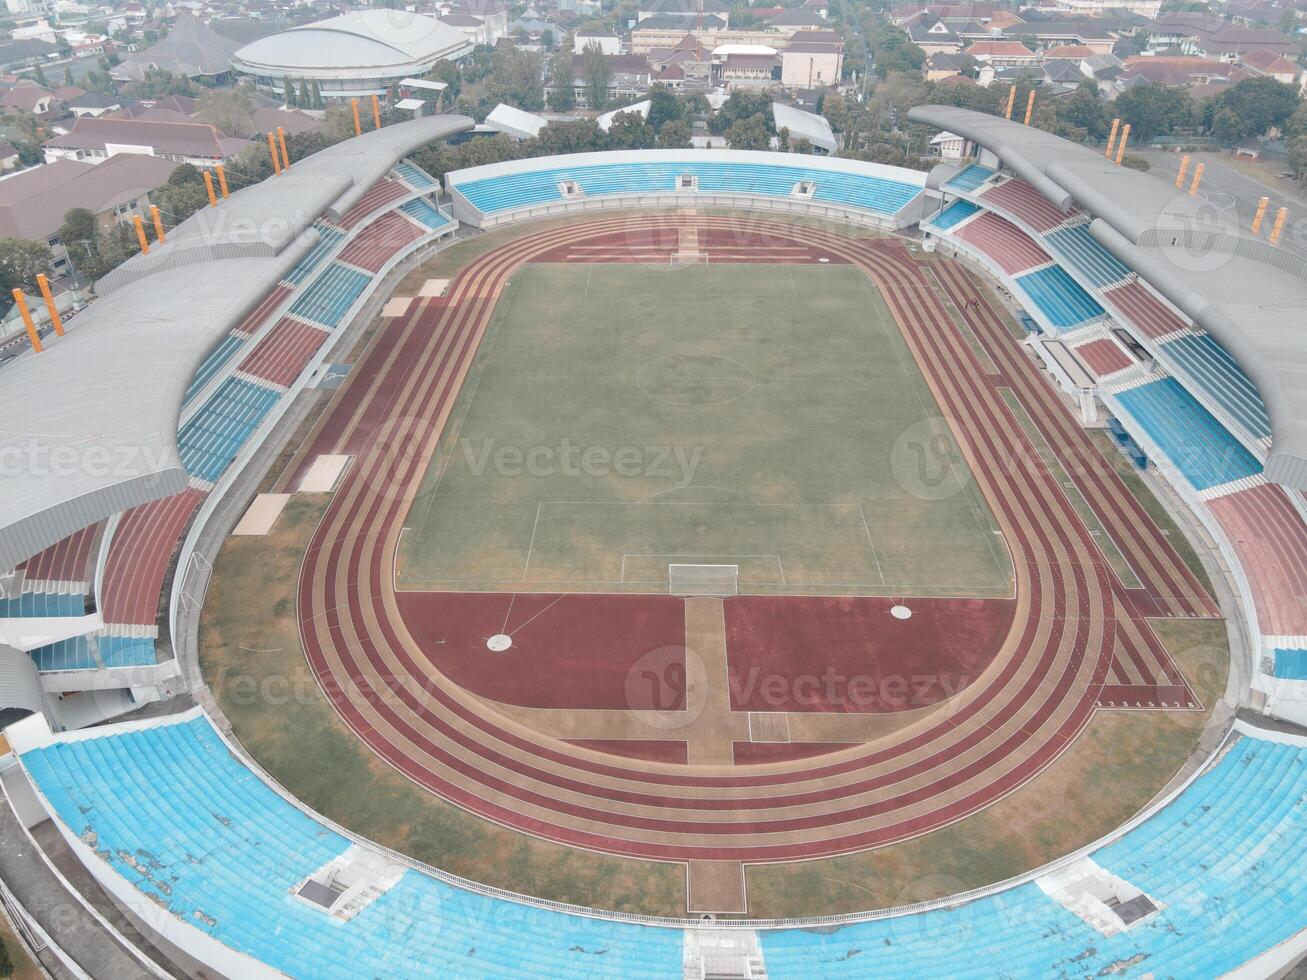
(357, 54)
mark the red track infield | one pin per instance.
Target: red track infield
(799, 653)
(1073, 632)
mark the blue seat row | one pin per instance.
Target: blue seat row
(328, 237)
(214, 363)
(199, 834)
(414, 176)
(126, 651)
(954, 214)
(1210, 366)
(424, 212)
(1226, 862)
(42, 604)
(71, 654)
(510, 191)
(212, 437)
(1059, 297)
(1199, 446)
(1073, 246)
(1291, 665)
(329, 297)
(969, 179)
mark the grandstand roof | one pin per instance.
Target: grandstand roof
(1250, 296)
(91, 423)
(387, 41)
(191, 48)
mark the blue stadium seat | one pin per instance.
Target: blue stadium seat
(220, 355)
(42, 604)
(424, 212)
(1074, 247)
(1291, 665)
(414, 176)
(954, 214)
(329, 237)
(210, 440)
(329, 297)
(507, 192)
(1201, 449)
(1209, 365)
(71, 654)
(969, 179)
(1224, 860)
(202, 836)
(1059, 297)
(126, 651)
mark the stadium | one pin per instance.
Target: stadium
(666, 564)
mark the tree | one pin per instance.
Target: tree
(664, 107)
(562, 78)
(68, 76)
(629, 131)
(578, 136)
(748, 134)
(305, 98)
(597, 73)
(230, 110)
(516, 78)
(836, 110)
(288, 91)
(1297, 124)
(1153, 110)
(1253, 107)
(315, 91)
(1084, 112)
(675, 135)
(742, 105)
(39, 76)
(1298, 158)
(20, 262)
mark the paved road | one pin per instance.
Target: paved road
(1238, 193)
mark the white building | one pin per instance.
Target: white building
(357, 54)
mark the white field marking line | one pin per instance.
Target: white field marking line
(870, 543)
(588, 270)
(508, 614)
(546, 609)
(535, 526)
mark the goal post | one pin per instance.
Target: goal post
(705, 580)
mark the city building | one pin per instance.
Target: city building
(95, 140)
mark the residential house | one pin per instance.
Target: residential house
(810, 64)
(34, 202)
(607, 43)
(743, 69)
(934, 38)
(1002, 54)
(96, 140)
(945, 65)
(93, 104)
(1268, 64)
(631, 77)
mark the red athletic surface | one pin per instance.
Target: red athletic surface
(756, 753)
(801, 653)
(281, 355)
(1103, 357)
(569, 651)
(648, 749)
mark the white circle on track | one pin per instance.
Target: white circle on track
(499, 642)
(900, 612)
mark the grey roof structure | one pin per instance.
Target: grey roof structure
(91, 423)
(191, 48)
(1250, 296)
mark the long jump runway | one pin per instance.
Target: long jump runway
(1076, 632)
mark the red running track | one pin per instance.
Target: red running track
(1072, 618)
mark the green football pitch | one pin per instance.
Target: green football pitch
(621, 418)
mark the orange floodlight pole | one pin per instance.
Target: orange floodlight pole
(276, 160)
(285, 157)
(1120, 149)
(158, 223)
(376, 111)
(1030, 106)
(1280, 219)
(1198, 179)
(140, 234)
(1011, 100)
(222, 181)
(358, 127)
(208, 186)
(1262, 205)
(1184, 167)
(32, 335)
(1111, 139)
(44, 284)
